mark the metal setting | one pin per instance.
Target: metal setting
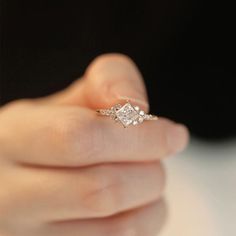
(127, 114)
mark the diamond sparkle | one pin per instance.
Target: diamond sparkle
(127, 114)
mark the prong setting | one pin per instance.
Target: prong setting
(127, 114)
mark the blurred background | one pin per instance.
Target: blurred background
(186, 53)
(201, 190)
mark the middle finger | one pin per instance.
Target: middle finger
(97, 191)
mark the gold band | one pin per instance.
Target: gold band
(126, 114)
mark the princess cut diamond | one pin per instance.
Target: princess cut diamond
(127, 114)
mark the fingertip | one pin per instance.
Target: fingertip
(177, 138)
(111, 57)
(113, 78)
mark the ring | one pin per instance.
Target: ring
(127, 114)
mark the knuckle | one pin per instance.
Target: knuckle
(65, 127)
(161, 176)
(72, 134)
(104, 195)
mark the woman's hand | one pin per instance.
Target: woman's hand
(64, 171)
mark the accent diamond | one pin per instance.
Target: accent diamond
(141, 113)
(126, 114)
(140, 119)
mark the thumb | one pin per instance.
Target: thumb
(109, 79)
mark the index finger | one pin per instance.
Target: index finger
(74, 136)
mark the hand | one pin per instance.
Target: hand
(66, 171)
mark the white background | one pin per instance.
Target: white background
(201, 191)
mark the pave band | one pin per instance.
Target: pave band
(126, 114)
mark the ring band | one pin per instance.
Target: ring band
(126, 114)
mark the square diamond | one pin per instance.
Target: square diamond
(127, 114)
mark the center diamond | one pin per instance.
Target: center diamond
(127, 114)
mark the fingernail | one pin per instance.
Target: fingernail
(177, 138)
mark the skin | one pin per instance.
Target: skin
(64, 170)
